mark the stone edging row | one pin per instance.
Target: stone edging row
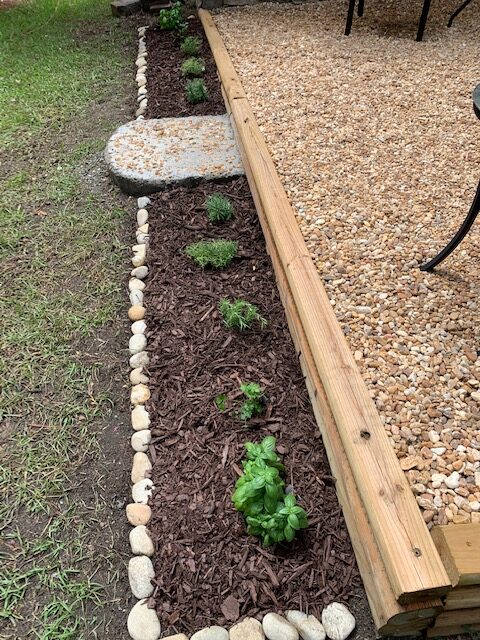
(143, 623)
(141, 78)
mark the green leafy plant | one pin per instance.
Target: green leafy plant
(254, 402)
(172, 19)
(240, 314)
(221, 401)
(191, 46)
(193, 67)
(196, 91)
(212, 253)
(219, 208)
(270, 513)
(248, 403)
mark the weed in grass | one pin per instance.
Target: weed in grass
(191, 46)
(196, 91)
(219, 208)
(212, 253)
(193, 67)
(240, 314)
(172, 19)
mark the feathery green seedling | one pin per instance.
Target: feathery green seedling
(193, 67)
(212, 253)
(219, 208)
(240, 314)
(191, 46)
(196, 91)
(172, 19)
(270, 513)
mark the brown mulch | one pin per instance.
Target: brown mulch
(165, 83)
(208, 570)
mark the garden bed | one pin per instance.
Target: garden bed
(166, 85)
(205, 564)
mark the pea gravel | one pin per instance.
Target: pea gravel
(377, 145)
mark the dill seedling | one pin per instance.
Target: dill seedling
(212, 253)
(219, 208)
(240, 314)
(191, 46)
(196, 91)
(193, 67)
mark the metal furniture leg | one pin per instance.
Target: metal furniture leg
(459, 10)
(458, 237)
(351, 9)
(423, 19)
(361, 5)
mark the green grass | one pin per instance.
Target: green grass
(43, 47)
(63, 82)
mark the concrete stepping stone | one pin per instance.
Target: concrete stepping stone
(144, 156)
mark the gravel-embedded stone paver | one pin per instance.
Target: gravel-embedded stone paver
(145, 156)
(377, 145)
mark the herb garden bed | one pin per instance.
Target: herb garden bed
(166, 85)
(207, 568)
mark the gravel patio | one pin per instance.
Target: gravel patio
(377, 145)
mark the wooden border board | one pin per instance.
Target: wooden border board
(389, 616)
(459, 549)
(411, 561)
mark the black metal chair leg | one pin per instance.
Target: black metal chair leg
(459, 10)
(361, 5)
(423, 19)
(458, 237)
(351, 9)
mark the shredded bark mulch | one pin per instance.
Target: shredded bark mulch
(165, 83)
(208, 570)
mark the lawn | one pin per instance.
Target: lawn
(65, 84)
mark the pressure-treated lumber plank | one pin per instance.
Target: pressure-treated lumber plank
(453, 622)
(412, 564)
(390, 617)
(459, 548)
(230, 80)
(463, 598)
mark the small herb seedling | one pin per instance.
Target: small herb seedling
(212, 253)
(254, 403)
(172, 19)
(193, 67)
(240, 314)
(196, 91)
(219, 208)
(259, 494)
(247, 403)
(191, 46)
